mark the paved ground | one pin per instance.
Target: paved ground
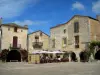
(50, 68)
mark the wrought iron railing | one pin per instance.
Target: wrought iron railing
(37, 45)
(15, 47)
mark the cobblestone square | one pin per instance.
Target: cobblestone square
(68, 68)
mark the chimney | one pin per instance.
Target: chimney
(98, 17)
(26, 26)
(0, 20)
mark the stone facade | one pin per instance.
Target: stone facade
(94, 29)
(98, 17)
(57, 34)
(88, 28)
(7, 36)
(63, 36)
(38, 41)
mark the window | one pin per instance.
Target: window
(76, 27)
(36, 38)
(65, 41)
(64, 30)
(15, 29)
(53, 42)
(76, 41)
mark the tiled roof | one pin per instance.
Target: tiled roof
(14, 25)
(71, 19)
(38, 31)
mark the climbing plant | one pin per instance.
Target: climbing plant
(92, 47)
(4, 54)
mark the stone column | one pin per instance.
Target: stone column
(69, 58)
(77, 56)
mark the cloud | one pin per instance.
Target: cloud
(96, 7)
(30, 22)
(25, 22)
(13, 8)
(78, 6)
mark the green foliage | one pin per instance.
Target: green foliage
(94, 43)
(92, 47)
(66, 55)
(84, 56)
(4, 54)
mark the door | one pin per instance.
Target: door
(15, 38)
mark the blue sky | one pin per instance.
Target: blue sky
(43, 14)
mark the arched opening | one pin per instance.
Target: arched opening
(73, 57)
(14, 55)
(84, 56)
(97, 55)
(65, 57)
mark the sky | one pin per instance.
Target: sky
(44, 14)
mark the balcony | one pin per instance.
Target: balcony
(15, 47)
(77, 46)
(37, 45)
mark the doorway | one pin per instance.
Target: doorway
(15, 41)
(14, 56)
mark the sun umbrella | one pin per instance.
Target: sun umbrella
(54, 52)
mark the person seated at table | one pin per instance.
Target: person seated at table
(59, 59)
(47, 59)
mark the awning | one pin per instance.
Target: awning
(47, 52)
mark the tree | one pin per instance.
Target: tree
(66, 55)
(94, 47)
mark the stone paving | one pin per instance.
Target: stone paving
(68, 68)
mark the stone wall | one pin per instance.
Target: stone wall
(7, 37)
(83, 33)
(95, 30)
(44, 39)
(57, 34)
(98, 18)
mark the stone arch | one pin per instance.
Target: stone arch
(73, 56)
(14, 55)
(97, 55)
(83, 56)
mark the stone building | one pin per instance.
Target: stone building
(13, 36)
(38, 40)
(75, 34)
